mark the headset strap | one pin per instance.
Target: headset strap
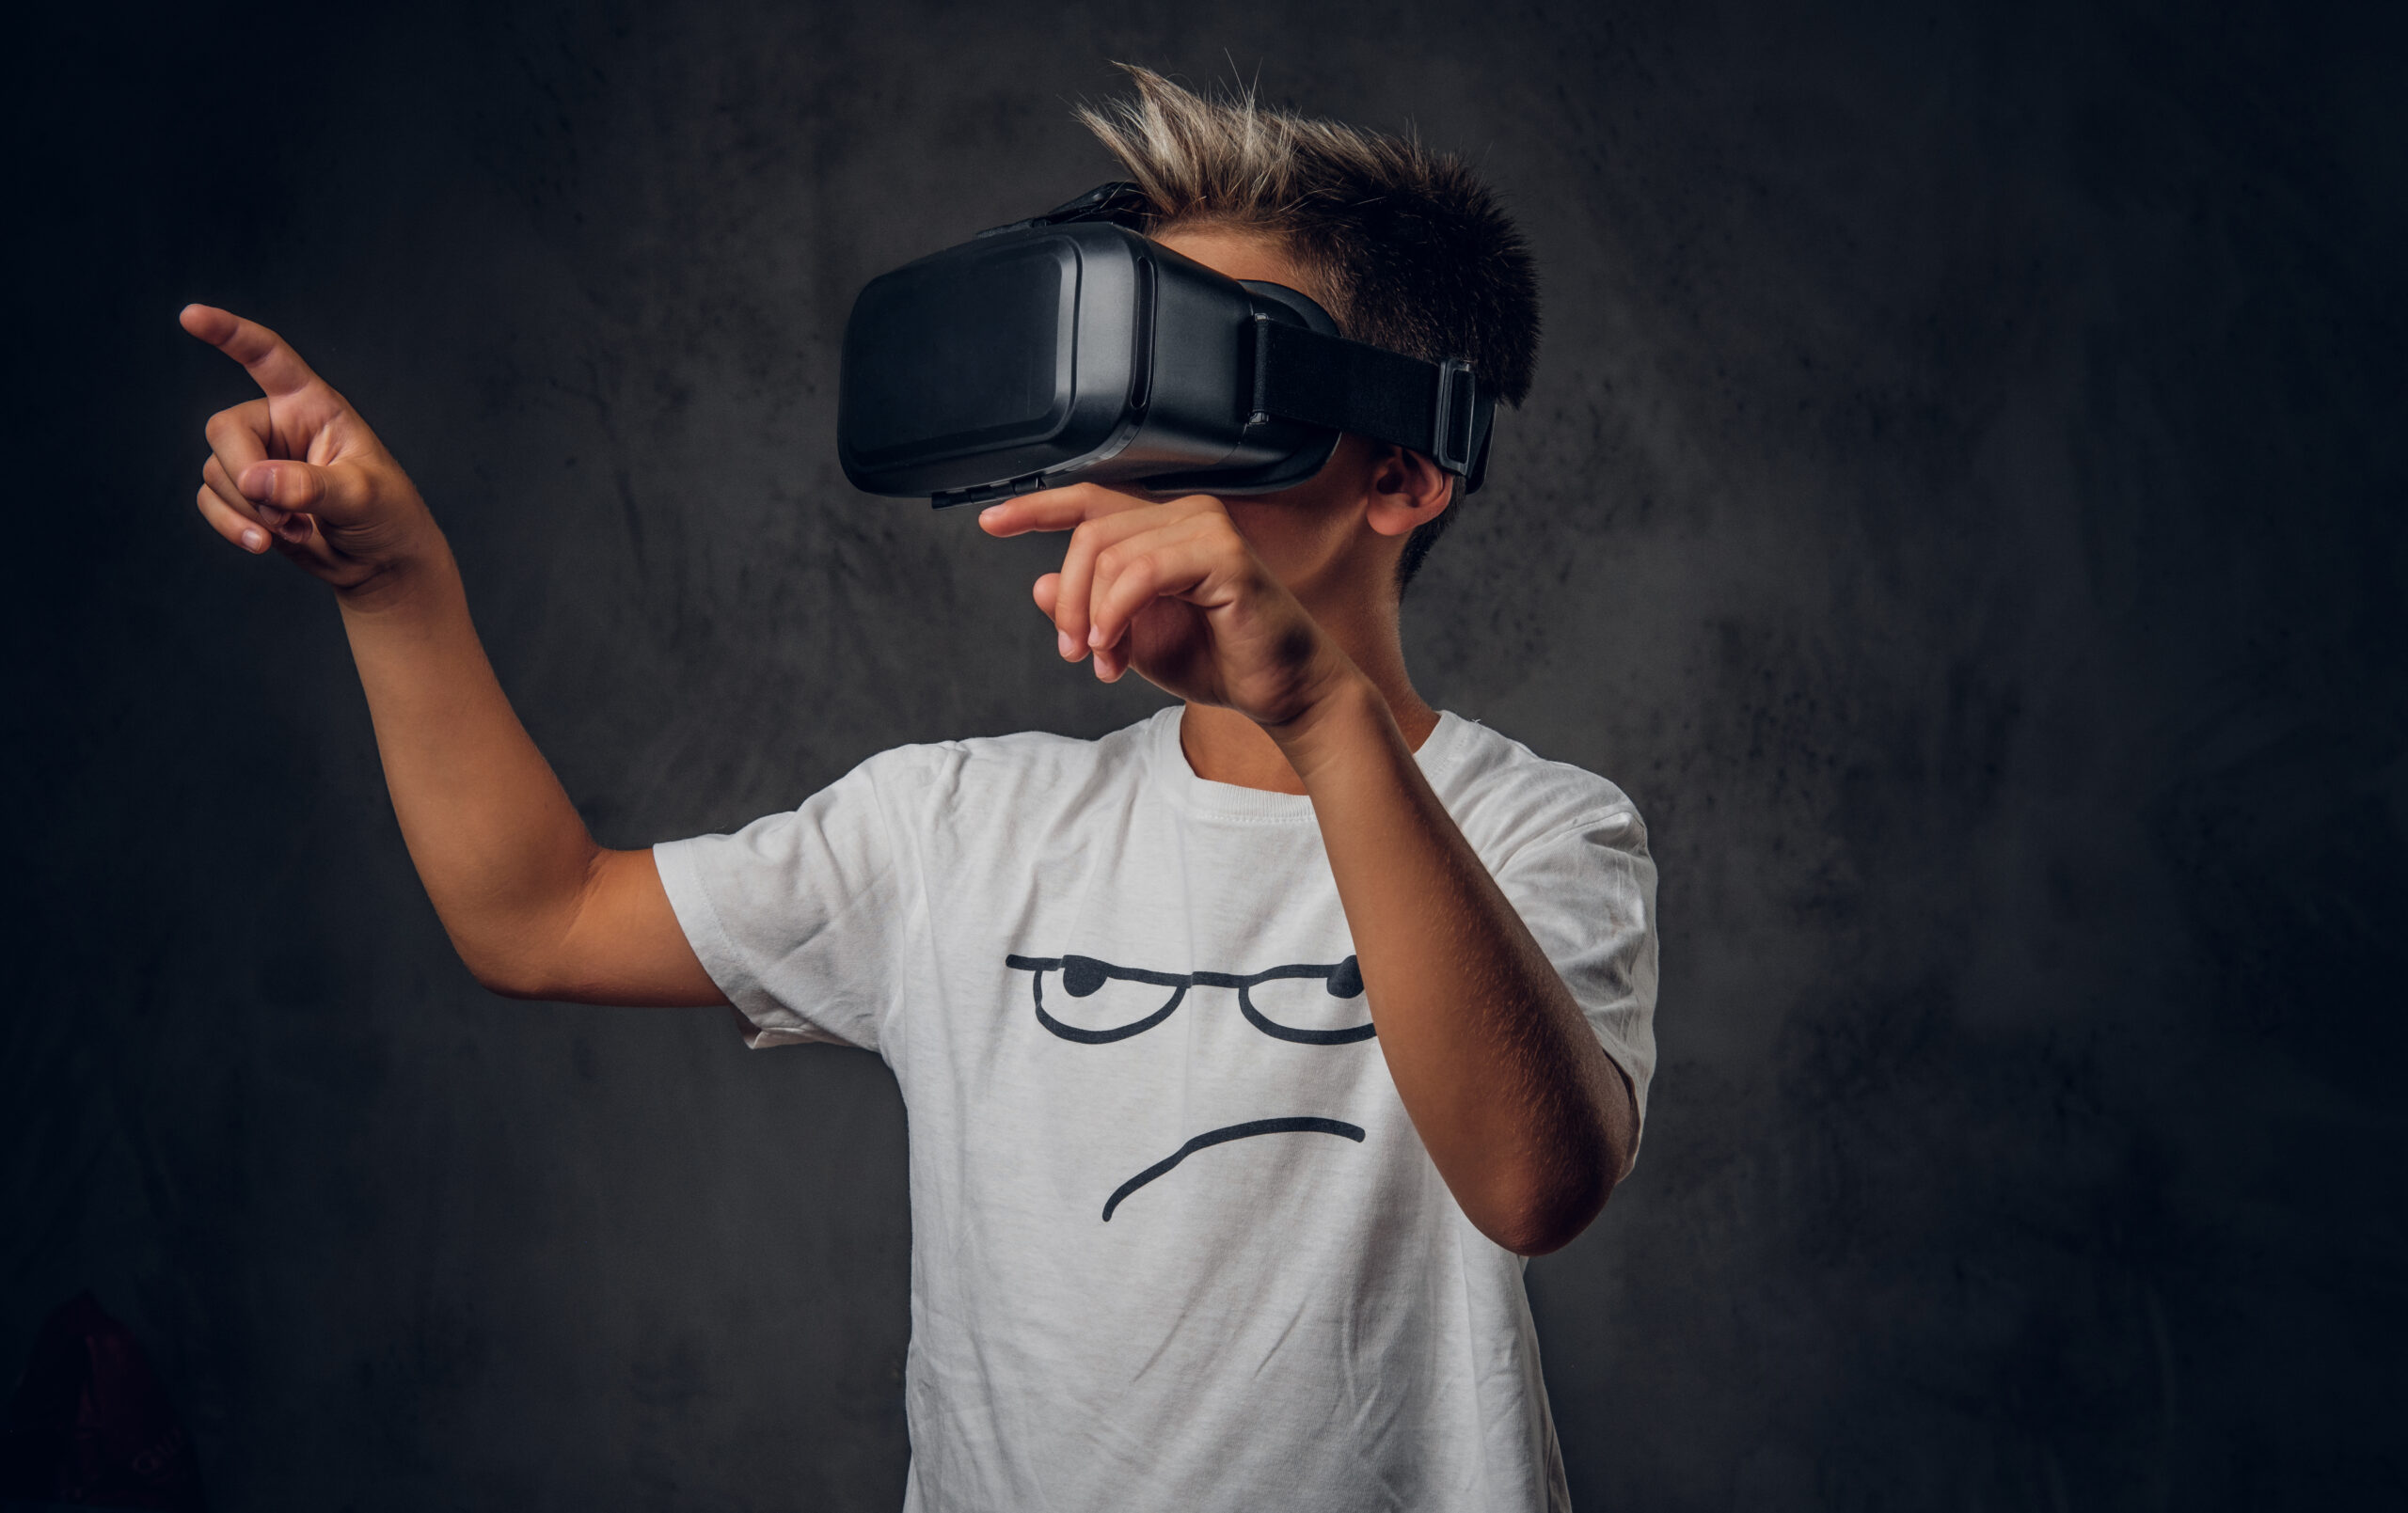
(1435, 408)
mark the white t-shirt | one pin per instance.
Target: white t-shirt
(1175, 1242)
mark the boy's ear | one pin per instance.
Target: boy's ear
(1407, 490)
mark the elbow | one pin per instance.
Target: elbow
(505, 984)
(1542, 1212)
(505, 979)
(1552, 1195)
(520, 943)
(506, 973)
(519, 952)
(1551, 1221)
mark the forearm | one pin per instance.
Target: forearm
(504, 856)
(1526, 1119)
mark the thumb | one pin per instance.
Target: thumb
(338, 493)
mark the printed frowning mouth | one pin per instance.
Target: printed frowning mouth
(1084, 976)
(1302, 1124)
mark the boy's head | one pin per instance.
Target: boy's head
(1402, 246)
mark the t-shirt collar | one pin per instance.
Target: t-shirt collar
(1175, 779)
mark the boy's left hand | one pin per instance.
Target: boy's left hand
(1525, 1115)
(1172, 589)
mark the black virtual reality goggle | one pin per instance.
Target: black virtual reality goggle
(1070, 349)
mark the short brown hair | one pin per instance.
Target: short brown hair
(1413, 252)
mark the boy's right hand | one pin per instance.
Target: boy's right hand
(299, 470)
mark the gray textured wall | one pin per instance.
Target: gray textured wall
(1961, 503)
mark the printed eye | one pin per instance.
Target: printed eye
(1310, 1005)
(1126, 1001)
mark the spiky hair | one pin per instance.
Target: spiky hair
(1413, 253)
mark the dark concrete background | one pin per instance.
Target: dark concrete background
(1961, 503)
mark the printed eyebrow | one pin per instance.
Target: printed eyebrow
(1325, 971)
(1127, 974)
(1101, 1037)
(1345, 979)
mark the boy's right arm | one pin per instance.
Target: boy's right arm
(536, 908)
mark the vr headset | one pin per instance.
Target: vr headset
(1070, 349)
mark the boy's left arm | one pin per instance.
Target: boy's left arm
(1529, 1122)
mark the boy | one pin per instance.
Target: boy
(1245, 1050)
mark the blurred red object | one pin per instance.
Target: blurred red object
(89, 1424)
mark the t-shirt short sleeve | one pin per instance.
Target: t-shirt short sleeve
(1587, 894)
(800, 918)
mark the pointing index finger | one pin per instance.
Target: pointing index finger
(1058, 509)
(273, 364)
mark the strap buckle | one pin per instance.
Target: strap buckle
(1460, 422)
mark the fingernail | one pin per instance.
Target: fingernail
(990, 512)
(254, 538)
(270, 513)
(1095, 635)
(1069, 645)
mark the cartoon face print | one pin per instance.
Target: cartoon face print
(1084, 976)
